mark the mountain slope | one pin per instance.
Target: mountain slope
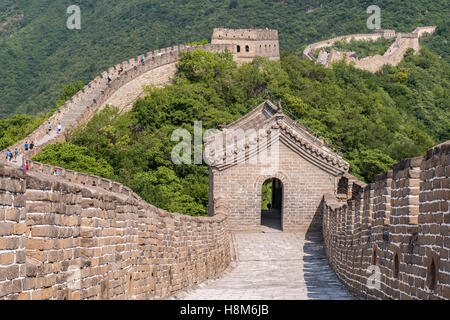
(38, 52)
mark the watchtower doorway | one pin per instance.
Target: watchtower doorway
(272, 203)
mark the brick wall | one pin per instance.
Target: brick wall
(12, 232)
(402, 230)
(393, 55)
(260, 42)
(83, 105)
(303, 187)
(65, 240)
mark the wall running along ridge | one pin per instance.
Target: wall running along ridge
(400, 224)
(158, 66)
(63, 240)
(392, 56)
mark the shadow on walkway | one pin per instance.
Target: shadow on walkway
(320, 279)
(271, 219)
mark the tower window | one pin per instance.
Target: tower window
(247, 48)
(238, 48)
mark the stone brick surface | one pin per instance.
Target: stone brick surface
(78, 242)
(305, 166)
(392, 56)
(274, 266)
(407, 239)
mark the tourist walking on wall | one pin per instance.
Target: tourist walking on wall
(16, 153)
(142, 59)
(59, 128)
(26, 146)
(31, 145)
(27, 167)
(8, 155)
(49, 127)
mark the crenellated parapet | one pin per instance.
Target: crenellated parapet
(83, 105)
(62, 238)
(396, 227)
(392, 56)
(248, 44)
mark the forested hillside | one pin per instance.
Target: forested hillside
(38, 53)
(374, 120)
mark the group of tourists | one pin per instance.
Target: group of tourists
(29, 146)
(49, 128)
(10, 155)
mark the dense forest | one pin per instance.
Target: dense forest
(39, 53)
(373, 120)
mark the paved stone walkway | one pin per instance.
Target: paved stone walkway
(125, 97)
(275, 266)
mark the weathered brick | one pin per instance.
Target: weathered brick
(7, 258)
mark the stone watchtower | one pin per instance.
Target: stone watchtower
(267, 146)
(249, 43)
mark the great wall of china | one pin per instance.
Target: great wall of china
(63, 238)
(125, 88)
(392, 56)
(399, 224)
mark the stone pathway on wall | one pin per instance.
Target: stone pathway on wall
(67, 120)
(275, 265)
(125, 96)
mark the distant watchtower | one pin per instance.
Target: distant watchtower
(249, 43)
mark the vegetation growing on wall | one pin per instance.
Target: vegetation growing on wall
(373, 119)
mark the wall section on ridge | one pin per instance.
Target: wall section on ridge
(159, 66)
(64, 240)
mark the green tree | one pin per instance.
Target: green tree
(76, 158)
(368, 163)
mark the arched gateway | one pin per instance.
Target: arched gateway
(267, 144)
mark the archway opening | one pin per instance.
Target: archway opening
(272, 203)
